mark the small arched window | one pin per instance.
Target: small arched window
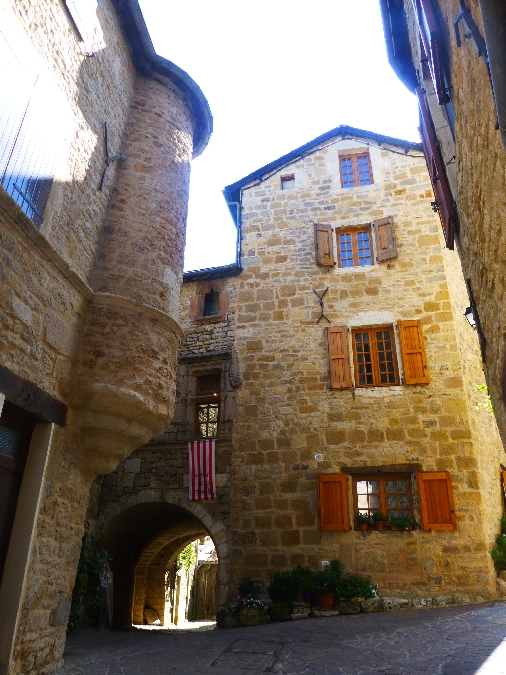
(211, 303)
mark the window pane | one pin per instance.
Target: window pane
(347, 172)
(345, 250)
(364, 248)
(385, 357)
(402, 486)
(364, 174)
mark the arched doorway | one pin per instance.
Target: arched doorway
(143, 541)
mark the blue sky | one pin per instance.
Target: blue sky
(276, 75)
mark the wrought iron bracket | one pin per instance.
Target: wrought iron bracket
(108, 159)
(320, 298)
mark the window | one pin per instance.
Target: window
(288, 182)
(355, 170)
(354, 248)
(33, 122)
(208, 405)
(323, 245)
(374, 357)
(437, 510)
(389, 495)
(211, 303)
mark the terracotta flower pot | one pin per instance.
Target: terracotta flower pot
(363, 527)
(380, 525)
(326, 601)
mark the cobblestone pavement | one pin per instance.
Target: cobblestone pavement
(467, 640)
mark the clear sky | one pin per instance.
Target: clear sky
(276, 75)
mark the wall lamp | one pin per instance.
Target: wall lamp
(470, 317)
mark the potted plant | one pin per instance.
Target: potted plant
(400, 522)
(251, 609)
(282, 590)
(355, 585)
(327, 584)
(498, 553)
(379, 519)
(363, 521)
(304, 581)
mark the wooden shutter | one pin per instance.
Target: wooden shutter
(431, 43)
(339, 357)
(436, 501)
(444, 202)
(333, 508)
(414, 358)
(323, 245)
(83, 14)
(386, 245)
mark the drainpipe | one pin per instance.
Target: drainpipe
(493, 14)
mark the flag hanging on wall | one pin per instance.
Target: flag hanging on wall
(201, 470)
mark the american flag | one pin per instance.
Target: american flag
(201, 482)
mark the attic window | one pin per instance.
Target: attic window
(288, 182)
(211, 303)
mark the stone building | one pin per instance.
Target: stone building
(366, 401)
(451, 54)
(96, 137)
(311, 425)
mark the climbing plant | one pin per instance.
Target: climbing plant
(86, 593)
(486, 405)
(188, 557)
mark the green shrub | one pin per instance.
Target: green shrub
(248, 588)
(378, 517)
(328, 580)
(304, 578)
(498, 553)
(364, 519)
(356, 586)
(400, 522)
(283, 586)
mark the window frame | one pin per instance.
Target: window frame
(354, 157)
(374, 357)
(206, 399)
(382, 494)
(355, 255)
(288, 180)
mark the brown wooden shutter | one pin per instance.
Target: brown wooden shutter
(223, 303)
(339, 357)
(436, 501)
(323, 245)
(386, 244)
(430, 36)
(333, 509)
(414, 358)
(444, 202)
(195, 303)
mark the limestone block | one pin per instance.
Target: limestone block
(421, 603)
(349, 607)
(447, 600)
(390, 603)
(304, 615)
(371, 605)
(325, 612)
(501, 587)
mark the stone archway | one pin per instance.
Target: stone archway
(144, 535)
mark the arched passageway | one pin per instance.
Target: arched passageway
(143, 542)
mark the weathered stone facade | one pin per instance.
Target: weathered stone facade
(77, 297)
(469, 134)
(286, 411)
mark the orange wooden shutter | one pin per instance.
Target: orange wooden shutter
(435, 165)
(436, 501)
(414, 358)
(386, 245)
(323, 245)
(333, 509)
(339, 357)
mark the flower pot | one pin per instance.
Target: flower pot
(380, 525)
(281, 611)
(326, 601)
(393, 528)
(251, 616)
(363, 527)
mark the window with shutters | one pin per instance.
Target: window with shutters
(374, 357)
(443, 204)
(414, 358)
(33, 121)
(339, 357)
(437, 510)
(388, 495)
(355, 170)
(333, 509)
(323, 245)
(431, 41)
(354, 248)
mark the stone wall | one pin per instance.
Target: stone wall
(287, 413)
(477, 179)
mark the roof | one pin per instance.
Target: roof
(206, 273)
(232, 192)
(148, 63)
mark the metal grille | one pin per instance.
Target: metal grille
(10, 441)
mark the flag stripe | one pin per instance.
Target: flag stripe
(201, 468)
